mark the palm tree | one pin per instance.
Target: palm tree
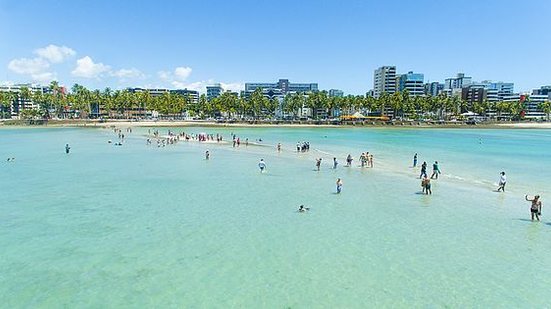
(257, 101)
(500, 108)
(384, 102)
(200, 109)
(6, 102)
(107, 101)
(545, 107)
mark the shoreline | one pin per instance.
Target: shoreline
(199, 123)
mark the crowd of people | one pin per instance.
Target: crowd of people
(366, 160)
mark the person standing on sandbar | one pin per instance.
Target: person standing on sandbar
(535, 208)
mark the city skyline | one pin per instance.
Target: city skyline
(145, 46)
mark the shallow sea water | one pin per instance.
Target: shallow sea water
(141, 226)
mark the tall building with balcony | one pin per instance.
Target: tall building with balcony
(543, 90)
(214, 91)
(475, 93)
(454, 85)
(434, 88)
(384, 80)
(336, 93)
(20, 103)
(502, 89)
(283, 86)
(192, 95)
(412, 82)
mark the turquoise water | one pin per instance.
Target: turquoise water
(141, 226)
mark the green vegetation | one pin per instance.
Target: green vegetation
(84, 103)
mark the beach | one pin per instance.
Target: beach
(160, 226)
(286, 124)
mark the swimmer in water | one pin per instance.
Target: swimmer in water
(301, 208)
(207, 155)
(335, 163)
(339, 186)
(278, 147)
(318, 163)
(67, 148)
(415, 160)
(262, 165)
(535, 208)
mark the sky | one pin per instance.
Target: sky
(338, 44)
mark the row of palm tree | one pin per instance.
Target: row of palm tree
(84, 103)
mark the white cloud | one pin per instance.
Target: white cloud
(38, 67)
(176, 77)
(28, 66)
(54, 53)
(88, 69)
(233, 86)
(201, 86)
(44, 77)
(132, 73)
(182, 73)
(164, 75)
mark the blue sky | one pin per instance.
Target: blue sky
(335, 43)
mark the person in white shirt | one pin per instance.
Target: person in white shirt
(262, 165)
(502, 182)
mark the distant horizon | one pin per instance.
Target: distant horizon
(198, 43)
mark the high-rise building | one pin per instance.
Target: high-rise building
(543, 90)
(474, 93)
(434, 88)
(502, 89)
(412, 82)
(283, 86)
(457, 82)
(336, 93)
(20, 103)
(384, 80)
(192, 95)
(532, 105)
(214, 91)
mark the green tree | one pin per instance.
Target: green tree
(257, 101)
(384, 102)
(6, 103)
(546, 108)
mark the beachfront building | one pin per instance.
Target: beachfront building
(502, 89)
(214, 91)
(282, 86)
(531, 105)
(434, 88)
(384, 80)
(543, 90)
(474, 93)
(191, 95)
(278, 91)
(412, 82)
(336, 93)
(454, 85)
(23, 102)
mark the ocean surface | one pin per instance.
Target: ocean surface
(145, 226)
